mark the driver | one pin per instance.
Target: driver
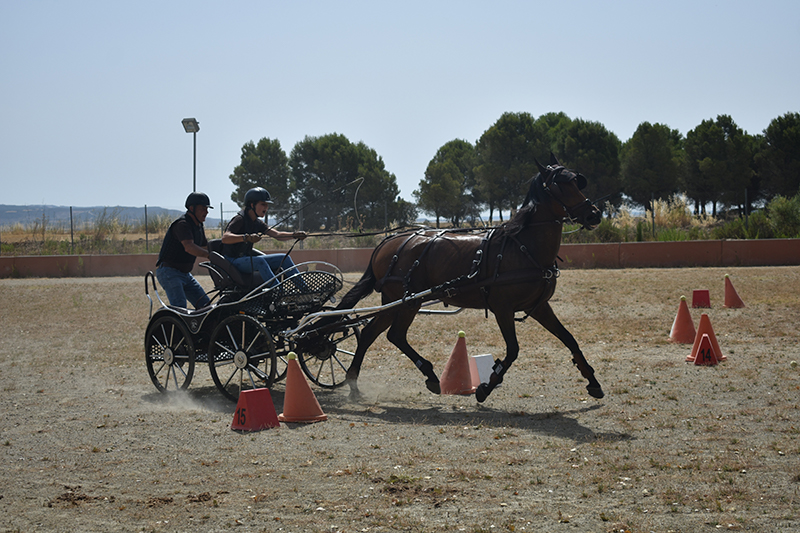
(247, 228)
(185, 239)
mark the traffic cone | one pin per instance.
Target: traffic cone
(705, 353)
(701, 298)
(299, 402)
(255, 411)
(683, 331)
(457, 375)
(732, 299)
(704, 328)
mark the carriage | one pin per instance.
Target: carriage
(242, 334)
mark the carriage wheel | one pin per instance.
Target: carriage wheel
(281, 365)
(326, 360)
(241, 356)
(169, 354)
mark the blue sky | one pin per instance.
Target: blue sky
(92, 93)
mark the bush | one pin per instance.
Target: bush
(672, 213)
(757, 226)
(607, 232)
(784, 216)
(672, 234)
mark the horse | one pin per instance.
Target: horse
(509, 269)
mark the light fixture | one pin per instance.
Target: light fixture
(191, 125)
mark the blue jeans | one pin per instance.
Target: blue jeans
(265, 264)
(181, 285)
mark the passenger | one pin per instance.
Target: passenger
(185, 240)
(246, 228)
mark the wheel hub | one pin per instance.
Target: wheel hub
(323, 350)
(240, 359)
(169, 356)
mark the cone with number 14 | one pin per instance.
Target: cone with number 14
(704, 328)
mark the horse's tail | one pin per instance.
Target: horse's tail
(360, 290)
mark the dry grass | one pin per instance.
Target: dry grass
(88, 443)
(83, 242)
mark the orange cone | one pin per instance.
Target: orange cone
(732, 299)
(704, 328)
(299, 402)
(701, 298)
(683, 331)
(457, 375)
(705, 353)
(255, 411)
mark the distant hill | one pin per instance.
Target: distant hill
(59, 215)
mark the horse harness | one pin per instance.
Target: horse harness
(468, 281)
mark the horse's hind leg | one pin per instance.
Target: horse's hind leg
(371, 331)
(506, 323)
(546, 317)
(398, 335)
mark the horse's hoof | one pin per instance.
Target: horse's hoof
(595, 392)
(355, 394)
(482, 392)
(433, 386)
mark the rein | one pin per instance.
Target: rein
(360, 233)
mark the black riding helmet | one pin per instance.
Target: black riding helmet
(255, 195)
(198, 198)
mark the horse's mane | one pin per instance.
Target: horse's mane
(528, 208)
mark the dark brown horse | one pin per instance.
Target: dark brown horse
(508, 270)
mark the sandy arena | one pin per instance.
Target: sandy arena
(88, 444)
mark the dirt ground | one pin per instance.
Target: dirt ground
(88, 444)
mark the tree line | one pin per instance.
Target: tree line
(319, 184)
(716, 164)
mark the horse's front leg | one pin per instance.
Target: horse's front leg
(545, 316)
(508, 329)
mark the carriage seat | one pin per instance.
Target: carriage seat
(224, 274)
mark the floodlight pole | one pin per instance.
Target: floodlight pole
(190, 125)
(194, 161)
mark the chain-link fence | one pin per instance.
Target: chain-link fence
(54, 230)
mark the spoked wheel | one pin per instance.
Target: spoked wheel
(169, 354)
(281, 365)
(325, 360)
(241, 356)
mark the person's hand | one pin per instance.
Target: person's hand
(299, 235)
(252, 237)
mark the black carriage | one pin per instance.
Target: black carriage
(248, 330)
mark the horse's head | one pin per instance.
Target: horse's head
(563, 186)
